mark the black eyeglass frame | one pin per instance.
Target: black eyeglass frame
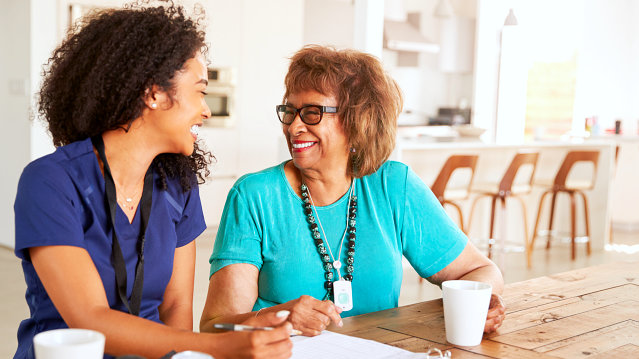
(322, 111)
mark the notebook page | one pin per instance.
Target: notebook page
(338, 346)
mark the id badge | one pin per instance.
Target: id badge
(343, 294)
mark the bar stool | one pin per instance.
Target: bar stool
(507, 188)
(614, 176)
(573, 187)
(450, 195)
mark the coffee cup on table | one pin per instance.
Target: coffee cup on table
(189, 354)
(465, 310)
(69, 344)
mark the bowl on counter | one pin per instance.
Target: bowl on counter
(469, 131)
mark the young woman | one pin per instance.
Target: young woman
(105, 225)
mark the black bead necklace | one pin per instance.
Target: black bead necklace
(328, 261)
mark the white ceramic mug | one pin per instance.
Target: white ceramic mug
(189, 354)
(69, 344)
(465, 309)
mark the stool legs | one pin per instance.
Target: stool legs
(525, 214)
(573, 220)
(553, 201)
(573, 225)
(583, 195)
(493, 210)
(534, 233)
(461, 217)
(492, 226)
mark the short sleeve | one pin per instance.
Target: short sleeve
(47, 209)
(192, 223)
(238, 239)
(431, 240)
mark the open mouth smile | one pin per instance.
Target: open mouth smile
(299, 146)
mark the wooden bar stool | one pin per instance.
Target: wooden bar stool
(507, 188)
(450, 195)
(571, 188)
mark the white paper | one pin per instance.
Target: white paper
(339, 346)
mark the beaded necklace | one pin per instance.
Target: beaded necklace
(328, 261)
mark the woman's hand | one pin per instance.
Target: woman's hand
(311, 316)
(496, 314)
(274, 343)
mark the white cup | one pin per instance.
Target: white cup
(69, 344)
(189, 354)
(465, 309)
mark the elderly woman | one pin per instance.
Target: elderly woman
(327, 230)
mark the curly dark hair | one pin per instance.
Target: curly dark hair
(96, 80)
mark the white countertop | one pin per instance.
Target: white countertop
(463, 143)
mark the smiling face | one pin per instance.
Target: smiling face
(176, 124)
(316, 147)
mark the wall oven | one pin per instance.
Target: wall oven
(220, 97)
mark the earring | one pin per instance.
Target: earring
(353, 150)
(154, 105)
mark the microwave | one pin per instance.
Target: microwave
(220, 97)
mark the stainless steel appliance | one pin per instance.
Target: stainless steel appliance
(451, 116)
(220, 97)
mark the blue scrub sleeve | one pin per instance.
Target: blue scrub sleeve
(431, 240)
(238, 239)
(192, 223)
(45, 210)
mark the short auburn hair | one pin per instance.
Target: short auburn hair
(369, 99)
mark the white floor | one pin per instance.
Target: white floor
(14, 308)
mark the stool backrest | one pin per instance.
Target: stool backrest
(520, 159)
(453, 163)
(571, 158)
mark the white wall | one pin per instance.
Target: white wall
(490, 22)
(329, 22)
(608, 67)
(14, 106)
(43, 41)
(256, 39)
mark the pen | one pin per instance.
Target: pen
(247, 328)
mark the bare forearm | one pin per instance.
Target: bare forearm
(488, 274)
(179, 317)
(206, 324)
(127, 334)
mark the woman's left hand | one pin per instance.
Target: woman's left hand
(496, 313)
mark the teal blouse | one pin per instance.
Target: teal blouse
(264, 224)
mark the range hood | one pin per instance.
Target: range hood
(404, 36)
(401, 30)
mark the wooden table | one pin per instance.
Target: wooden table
(586, 313)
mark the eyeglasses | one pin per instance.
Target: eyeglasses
(309, 114)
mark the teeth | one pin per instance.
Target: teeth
(303, 145)
(195, 129)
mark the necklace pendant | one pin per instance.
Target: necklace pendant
(129, 199)
(337, 265)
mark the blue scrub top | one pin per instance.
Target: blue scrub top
(61, 201)
(264, 224)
